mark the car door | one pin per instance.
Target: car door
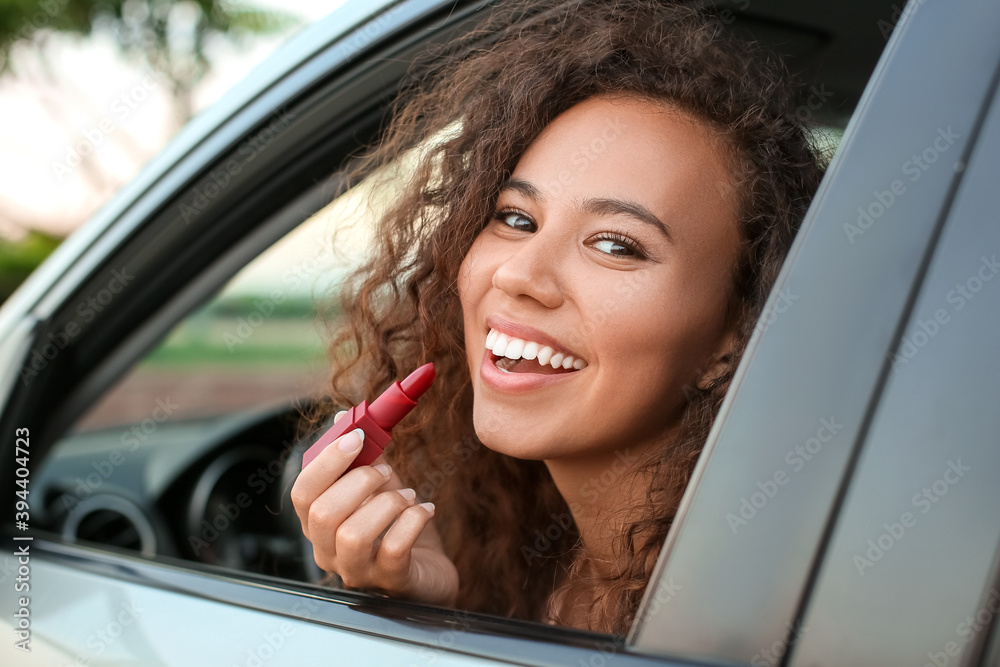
(248, 173)
(831, 428)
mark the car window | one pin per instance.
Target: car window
(153, 467)
(255, 344)
(240, 366)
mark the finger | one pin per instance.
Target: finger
(328, 466)
(397, 545)
(337, 416)
(358, 534)
(394, 481)
(338, 502)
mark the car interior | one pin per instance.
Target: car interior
(170, 425)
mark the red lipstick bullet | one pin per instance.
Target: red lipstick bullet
(376, 419)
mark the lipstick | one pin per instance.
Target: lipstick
(376, 419)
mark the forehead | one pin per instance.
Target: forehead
(653, 153)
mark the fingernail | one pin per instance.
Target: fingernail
(348, 443)
(409, 494)
(383, 468)
(428, 506)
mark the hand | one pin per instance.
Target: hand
(365, 530)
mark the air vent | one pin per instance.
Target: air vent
(112, 521)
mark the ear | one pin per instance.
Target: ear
(717, 363)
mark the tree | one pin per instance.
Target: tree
(168, 35)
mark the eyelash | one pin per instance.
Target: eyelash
(612, 235)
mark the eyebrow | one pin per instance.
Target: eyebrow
(594, 205)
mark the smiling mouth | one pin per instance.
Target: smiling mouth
(509, 354)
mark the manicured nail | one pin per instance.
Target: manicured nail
(383, 468)
(348, 443)
(409, 494)
(428, 506)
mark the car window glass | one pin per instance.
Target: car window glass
(152, 466)
(185, 456)
(257, 343)
(255, 346)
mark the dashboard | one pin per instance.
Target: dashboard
(213, 490)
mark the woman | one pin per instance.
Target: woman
(610, 190)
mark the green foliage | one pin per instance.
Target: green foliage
(290, 307)
(203, 353)
(168, 35)
(138, 24)
(19, 259)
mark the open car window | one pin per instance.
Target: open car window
(257, 343)
(186, 454)
(184, 458)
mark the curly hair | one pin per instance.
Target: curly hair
(467, 111)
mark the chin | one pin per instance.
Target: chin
(496, 433)
(532, 442)
(508, 443)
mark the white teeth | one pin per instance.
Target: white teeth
(503, 345)
(500, 346)
(544, 355)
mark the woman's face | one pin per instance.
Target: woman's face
(614, 242)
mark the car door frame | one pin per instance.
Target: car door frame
(182, 249)
(819, 359)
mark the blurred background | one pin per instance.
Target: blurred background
(92, 89)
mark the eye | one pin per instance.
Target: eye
(618, 245)
(506, 214)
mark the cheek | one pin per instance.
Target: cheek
(471, 273)
(466, 283)
(472, 283)
(463, 278)
(648, 335)
(475, 277)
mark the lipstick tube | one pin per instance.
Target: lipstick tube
(376, 419)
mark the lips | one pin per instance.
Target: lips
(520, 358)
(518, 383)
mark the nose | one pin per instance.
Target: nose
(532, 270)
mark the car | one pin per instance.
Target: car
(842, 511)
